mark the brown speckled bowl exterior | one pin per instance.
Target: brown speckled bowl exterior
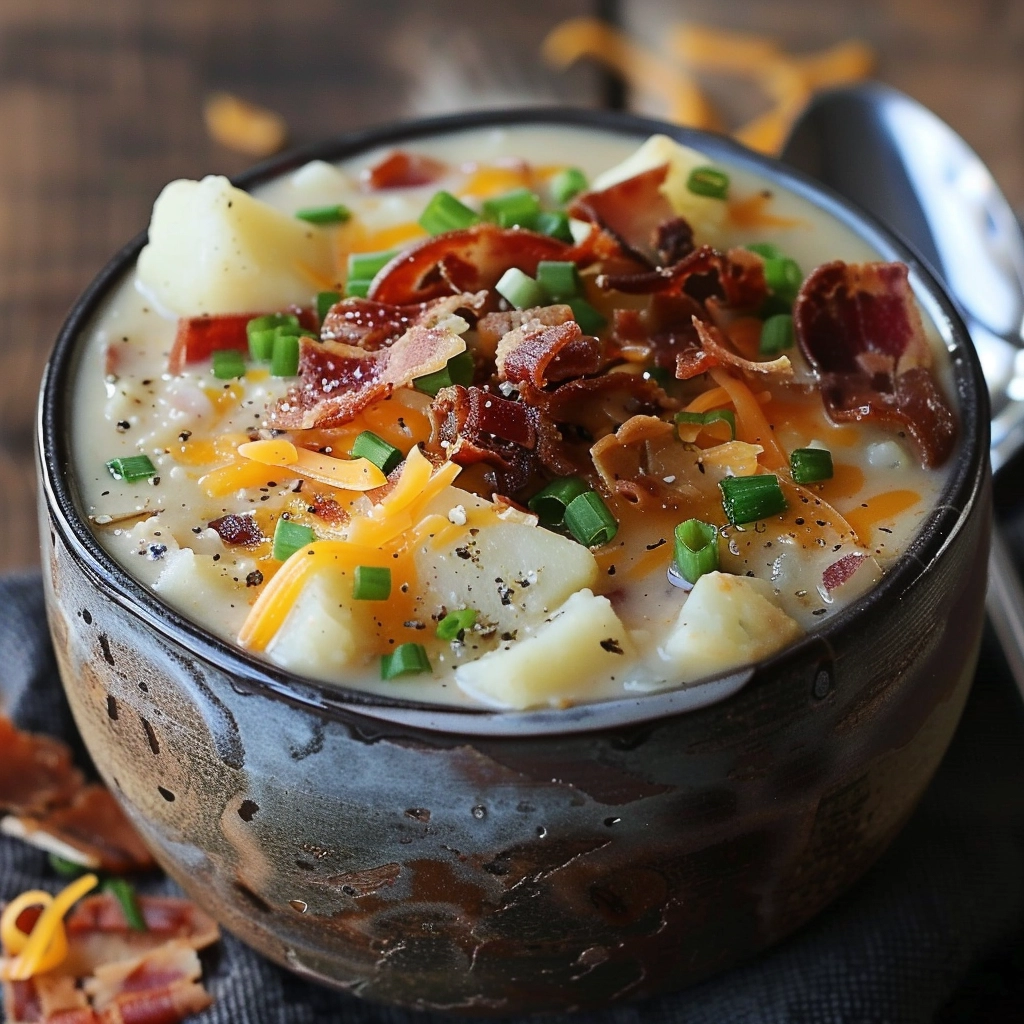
(422, 858)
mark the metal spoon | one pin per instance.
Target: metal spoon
(900, 162)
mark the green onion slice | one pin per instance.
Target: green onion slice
(809, 465)
(559, 278)
(358, 287)
(335, 214)
(131, 468)
(748, 498)
(261, 333)
(371, 583)
(445, 213)
(284, 360)
(551, 502)
(766, 250)
(552, 222)
(459, 370)
(66, 868)
(776, 334)
(520, 289)
(454, 624)
(290, 537)
(567, 184)
(227, 363)
(783, 277)
(366, 265)
(708, 181)
(696, 549)
(324, 301)
(124, 892)
(512, 209)
(408, 659)
(590, 320)
(383, 455)
(704, 419)
(589, 521)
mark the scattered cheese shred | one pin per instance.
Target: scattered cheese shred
(751, 423)
(348, 474)
(46, 945)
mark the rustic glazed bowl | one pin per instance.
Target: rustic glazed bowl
(491, 862)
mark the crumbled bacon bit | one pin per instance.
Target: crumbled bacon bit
(235, 529)
(403, 170)
(839, 572)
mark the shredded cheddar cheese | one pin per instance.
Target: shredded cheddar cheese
(46, 946)
(348, 474)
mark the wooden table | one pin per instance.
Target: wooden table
(100, 104)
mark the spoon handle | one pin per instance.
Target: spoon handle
(1004, 602)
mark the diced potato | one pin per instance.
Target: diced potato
(727, 621)
(215, 249)
(706, 215)
(320, 637)
(193, 584)
(567, 658)
(512, 573)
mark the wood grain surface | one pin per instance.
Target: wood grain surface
(100, 105)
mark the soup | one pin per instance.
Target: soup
(523, 417)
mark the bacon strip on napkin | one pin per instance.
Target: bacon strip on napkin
(860, 329)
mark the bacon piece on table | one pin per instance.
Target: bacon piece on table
(861, 331)
(36, 772)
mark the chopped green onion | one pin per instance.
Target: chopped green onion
(383, 455)
(227, 363)
(696, 547)
(589, 521)
(367, 265)
(336, 214)
(358, 287)
(459, 370)
(512, 209)
(454, 624)
(66, 868)
(324, 301)
(567, 184)
(372, 583)
(559, 278)
(131, 468)
(705, 419)
(766, 250)
(289, 537)
(520, 289)
(124, 893)
(659, 375)
(284, 361)
(776, 334)
(747, 498)
(783, 277)
(589, 319)
(551, 502)
(552, 222)
(708, 181)
(261, 333)
(445, 213)
(409, 659)
(809, 465)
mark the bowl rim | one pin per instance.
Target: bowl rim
(967, 475)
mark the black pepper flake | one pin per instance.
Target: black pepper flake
(884, 529)
(658, 544)
(216, 557)
(799, 521)
(463, 553)
(611, 645)
(123, 425)
(611, 570)
(184, 435)
(818, 611)
(254, 579)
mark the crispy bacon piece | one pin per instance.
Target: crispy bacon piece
(36, 772)
(338, 381)
(674, 241)
(540, 355)
(491, 328)
(235, 529)
(198, 337)
(373, 325)
(661, 332)
(403, 170)
(860, 330)
(717, 348)
(463, 261)
(166, 918)
(632, 211)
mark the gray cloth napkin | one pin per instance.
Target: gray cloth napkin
(934, 932)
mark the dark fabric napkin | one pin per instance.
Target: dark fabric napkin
(934, 932)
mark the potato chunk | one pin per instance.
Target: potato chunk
(568, 658)
(215, 249)
(706, 215)
(727, 621)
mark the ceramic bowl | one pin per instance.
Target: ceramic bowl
(490, 862)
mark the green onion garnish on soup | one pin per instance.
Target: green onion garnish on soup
(513, 209)
(334, 214)
(550, 502)
(290, 537)
(749, 498)
(809, 465)
(131, 468)
(459, 370)
(521, 290)
(587, 518)
(446, 213)
(371, 583)
(456, 623)
(709, 182)
(568, 184)
(705, 419)
(408, 659)
(696, 549)
(776, 334)
(227, 364)
(383, 455)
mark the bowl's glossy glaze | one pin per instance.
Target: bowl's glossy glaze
(495, 864)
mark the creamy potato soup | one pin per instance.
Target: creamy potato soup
(519, 417)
